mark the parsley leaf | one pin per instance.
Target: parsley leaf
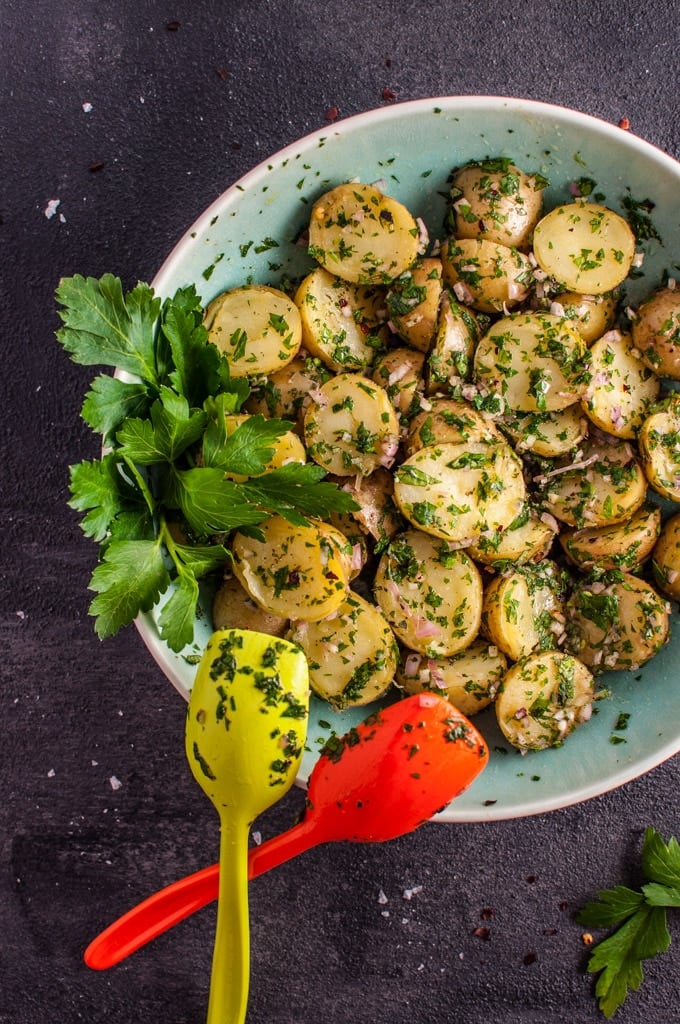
(104, 328)
(641, 917)
(129, 580)
(163, 419)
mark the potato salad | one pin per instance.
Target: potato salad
(507, 427)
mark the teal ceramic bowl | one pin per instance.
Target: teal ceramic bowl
(250, 232)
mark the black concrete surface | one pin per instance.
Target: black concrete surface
(185, 97)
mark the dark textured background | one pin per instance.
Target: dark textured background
(186, 96)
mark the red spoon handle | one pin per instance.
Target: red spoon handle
(180, 899)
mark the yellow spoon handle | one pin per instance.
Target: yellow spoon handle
(230, 978)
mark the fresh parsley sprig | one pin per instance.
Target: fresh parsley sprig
(169, 459)
(641, 919)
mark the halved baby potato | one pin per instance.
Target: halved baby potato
(257, 327)
(493, 199)
(543, 698)
(666, 558)
(619, 622)
(622, 388)
(523, 610)
(469, 679)
(601, 484)
(456, 335)
(656, 332)
(286, 393)
(459, 491)
(449, 420)
(528, 538)
(591, 315)
(234, 608)
(293, 571)
(400, 373)
(490, 277)
(625, 545)
(352, 656)
(341, 321)
(659, 442)
(536, 361)
(584, 246)
(430, 594)
(351, 426)
(413, 303)
(362, 235)
(548, 434)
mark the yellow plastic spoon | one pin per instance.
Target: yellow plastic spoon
(245, 731)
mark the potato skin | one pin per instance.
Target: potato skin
(494, 200)
(656, 332)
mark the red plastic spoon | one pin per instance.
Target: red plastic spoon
(380, 780)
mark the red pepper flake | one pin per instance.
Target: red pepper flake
(389, 95)
(98, 165)
(332, 113)
(563, 905)
(388, 62)
(531, 879)
(625, 124)
(223, 73)
(529, 959)
(172, 26)
(487, 913)
(550, 931)
(587, 939)
(482, 933)
(235, 147)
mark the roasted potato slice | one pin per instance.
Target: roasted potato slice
(257, 327)
(460, 491)
(537, 362)
(293, 570)
(622, 388)
(490, 277)
(618, 622)
(543, 698)
(469, 679)
(362, 235)
(430, 594)
(626, 545)
(585, 247)
(352, 656)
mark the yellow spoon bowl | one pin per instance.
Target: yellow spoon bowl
(245, 733)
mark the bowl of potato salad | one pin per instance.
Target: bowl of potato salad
(464, 312)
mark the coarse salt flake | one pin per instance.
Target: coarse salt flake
(408, 894)
(51, 208)
(382, 898)
(51, 773)
(87, 107)
(115, 783)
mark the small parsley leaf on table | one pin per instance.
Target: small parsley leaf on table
(641, 919)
